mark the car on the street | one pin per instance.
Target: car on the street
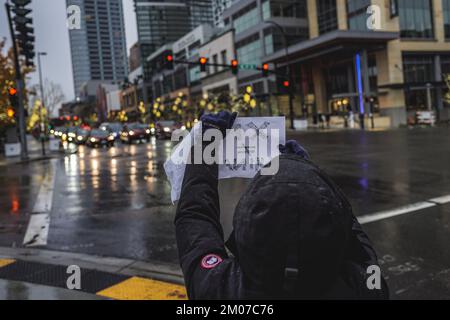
(135, 132)
(164, 129)
(100, 138)
(59, 131)
(71, 135)
(115, 128)
(82, 136)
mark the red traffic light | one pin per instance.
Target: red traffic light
(203, 61)
(266, 67)
(286, 84)
(75, 118)
(12, 91)
(234, 66)
(169, 58)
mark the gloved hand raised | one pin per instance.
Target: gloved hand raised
(221, 121)
(293, 147)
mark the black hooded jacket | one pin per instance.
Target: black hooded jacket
(295, 237)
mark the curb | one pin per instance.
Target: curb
(108, 277)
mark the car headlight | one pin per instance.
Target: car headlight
(166, 129)
(131, 133)
(183, 128)
(110, 138)
(72, 135)
(152, 130)
(64, 136)
(93, 140)
(147, 131)
(80, 138)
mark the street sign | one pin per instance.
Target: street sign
(248, 66)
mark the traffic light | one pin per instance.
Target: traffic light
(265, 70)
(234, 67)
(13, 98)
(25, 36)
(10, 113)
(203, 62)
(286, 84)
(169, 62)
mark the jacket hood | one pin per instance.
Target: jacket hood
(297, 211)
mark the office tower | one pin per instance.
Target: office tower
(163, 22)
(219, 6)
(98, 48)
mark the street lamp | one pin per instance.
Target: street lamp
(43, 131)
(289, 70)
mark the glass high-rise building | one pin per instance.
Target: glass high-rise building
(162, 22)
(98, 48)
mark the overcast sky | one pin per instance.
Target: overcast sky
(52, 36)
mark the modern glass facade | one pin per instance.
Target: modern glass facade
(357, 14)
(246, 18)
(99, 48)
(326, 15)
(160, 23)
(416, 19)
(218, 7)
(446, 13)
(249, 51)
(418, 69)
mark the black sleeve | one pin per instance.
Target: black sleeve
(198, 228)
(361, 256)
(361, 248)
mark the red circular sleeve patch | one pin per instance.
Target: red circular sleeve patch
(210, 261)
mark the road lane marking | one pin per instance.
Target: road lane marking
(37, 231)
(441, 200)
(395, 212)
(39, 224)
(6, 262)
(137, 288)
(405, 209)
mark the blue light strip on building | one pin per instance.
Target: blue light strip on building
(360, 85)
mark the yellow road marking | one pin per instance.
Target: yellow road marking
(137, 288)
(5, 262)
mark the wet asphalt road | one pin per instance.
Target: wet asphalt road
(116, 202)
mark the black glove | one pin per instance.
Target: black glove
(293, 147)
(221, 121)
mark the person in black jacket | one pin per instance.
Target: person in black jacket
(295, 236)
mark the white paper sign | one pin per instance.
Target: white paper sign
(256, 141)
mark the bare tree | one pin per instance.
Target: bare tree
(53, 95)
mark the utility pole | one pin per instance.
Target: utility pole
(41, 86)
(289, 71)
(20, 87)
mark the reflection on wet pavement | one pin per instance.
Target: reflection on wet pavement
(116, 202)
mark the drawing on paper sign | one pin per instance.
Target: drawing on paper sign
(251, 145)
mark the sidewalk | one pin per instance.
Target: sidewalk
(43, 274)
(34, 153)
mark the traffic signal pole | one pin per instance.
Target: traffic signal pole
(20, 88)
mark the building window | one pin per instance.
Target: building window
(266, 10)
(415, 19)
(283, 8)
(223, 54)
(215, 62)
(326, 15)
(357, 14)
(446, 9)
(418, 68)
(445, 64)
(246, 18)
(249, 50)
